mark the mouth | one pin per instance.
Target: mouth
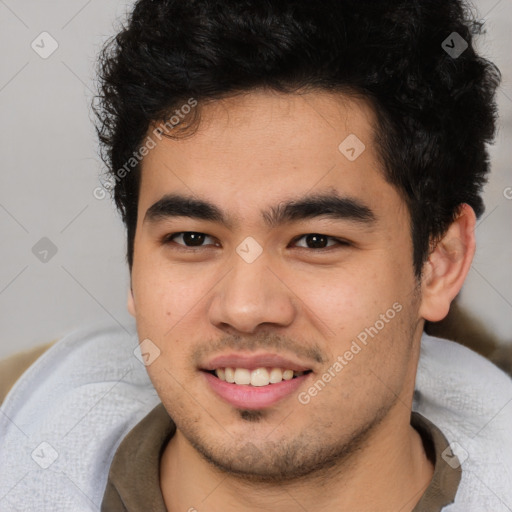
(248, 381)
(258, 377)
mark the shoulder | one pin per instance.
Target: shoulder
(12, 367)
(460, 382)
(72, 406)
(470, 400)
(88, 355)
(458, 365)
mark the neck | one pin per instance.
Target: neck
(391, 457)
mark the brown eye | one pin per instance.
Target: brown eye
(318, 241)
(188, 238)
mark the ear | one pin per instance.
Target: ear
(131, 302)
(447, 266)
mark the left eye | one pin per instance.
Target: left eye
(318, 241)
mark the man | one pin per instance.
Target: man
(300, 183)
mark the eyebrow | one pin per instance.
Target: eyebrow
(329, 205)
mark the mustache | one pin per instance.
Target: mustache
(262, 340)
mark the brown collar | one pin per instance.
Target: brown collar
(134, 477)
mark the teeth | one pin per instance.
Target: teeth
(276, 375)
(288, 374)
(242, 376)
(230, 375)
(258, 377)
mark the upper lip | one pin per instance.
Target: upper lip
(253, 361)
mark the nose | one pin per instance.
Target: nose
(252, 295)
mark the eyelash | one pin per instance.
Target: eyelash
(168, 239)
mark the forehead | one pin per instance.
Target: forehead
(260, 147)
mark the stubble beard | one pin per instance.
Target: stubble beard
(305, 457)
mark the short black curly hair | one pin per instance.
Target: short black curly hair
(435, 110)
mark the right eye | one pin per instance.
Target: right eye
(188, 239)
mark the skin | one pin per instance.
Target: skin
(251, 152)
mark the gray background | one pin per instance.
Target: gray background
(50, 168)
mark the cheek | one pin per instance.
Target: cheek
(165, 294)
(348, 300)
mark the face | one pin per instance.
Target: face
(264, 247)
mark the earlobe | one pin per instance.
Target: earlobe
(447, 266)
(130, 302)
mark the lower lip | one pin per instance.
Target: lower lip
(253, 397)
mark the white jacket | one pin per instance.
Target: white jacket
(63, 420)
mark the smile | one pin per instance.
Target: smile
(263, 394)
(258, 377)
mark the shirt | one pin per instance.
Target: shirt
(134, 482)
